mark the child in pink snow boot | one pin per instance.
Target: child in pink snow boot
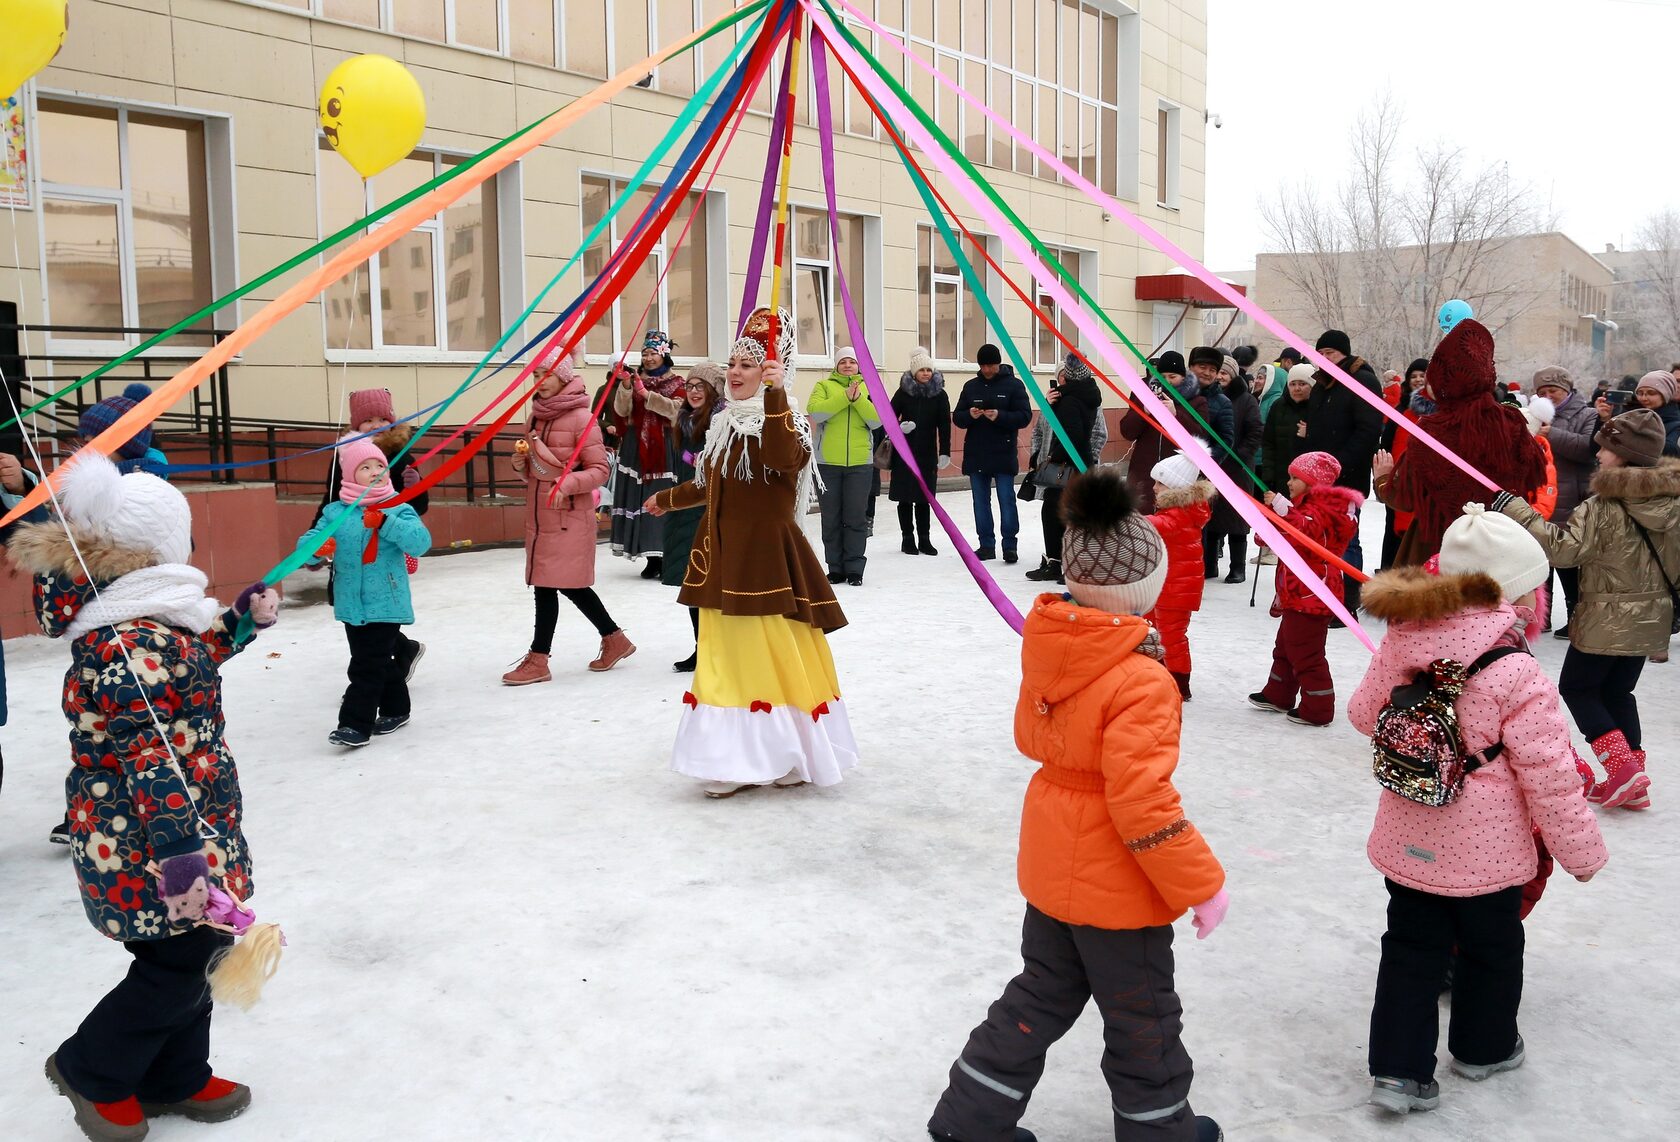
(1329, 515)
(1625, 543)
(1455, 872)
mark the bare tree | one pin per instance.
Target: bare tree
(1647, 294)
(1402, 234)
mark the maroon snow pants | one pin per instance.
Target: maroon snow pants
(1299, 668)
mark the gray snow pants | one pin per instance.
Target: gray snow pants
(845, 517)
(1130, 973)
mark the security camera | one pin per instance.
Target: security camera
(1218, 122)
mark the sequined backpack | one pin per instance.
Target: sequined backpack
(1417, 750)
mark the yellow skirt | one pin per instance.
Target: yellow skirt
(766, 702)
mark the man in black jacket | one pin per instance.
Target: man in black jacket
(1340, 423)
(991, 411)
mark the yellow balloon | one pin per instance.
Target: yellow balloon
(372, 112)
(33, 32)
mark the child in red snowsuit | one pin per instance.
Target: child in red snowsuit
(1183, 508)
(1329, 515)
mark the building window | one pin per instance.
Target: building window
(1047, 347)
(1167, 135)
(1062, 69)
(132, 215)
(810, 290)
(454, 256)
(951, 322)
(680, 303)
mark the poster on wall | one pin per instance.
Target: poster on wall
(14, 155)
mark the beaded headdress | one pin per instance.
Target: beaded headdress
(754, 344)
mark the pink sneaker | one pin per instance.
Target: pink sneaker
(1624, 775)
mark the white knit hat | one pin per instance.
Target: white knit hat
(137, 512)
(920, 359)
(843, 352)
(1497, 546)
(1176, 471)
(1539, 412)
(1303, 372)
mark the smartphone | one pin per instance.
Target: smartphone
(1618, 397)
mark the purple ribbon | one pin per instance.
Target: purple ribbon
(779, 128)
(872, 376)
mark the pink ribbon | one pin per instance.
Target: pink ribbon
(1088, 326)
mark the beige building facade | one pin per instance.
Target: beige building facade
(172, 151)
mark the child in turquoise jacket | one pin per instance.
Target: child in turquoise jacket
(371, 596)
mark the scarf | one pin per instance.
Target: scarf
(571, 395)
(651, 453)
(372, 517)
(1151, 647)
(1421, 404)
(171, 593)
(743, 420)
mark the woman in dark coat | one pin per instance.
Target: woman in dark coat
(1150, 447)
(923, 409)
(1284, 436)
(1077, 402)
(1227, 522)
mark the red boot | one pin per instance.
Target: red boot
(1642, 800)
(1624, 772)
(102, 1121)
(219, 1101)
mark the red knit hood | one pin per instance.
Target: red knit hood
(1462, 365)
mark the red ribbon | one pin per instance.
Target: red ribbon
(690, 700)
(760, 708)
(819, 711)
(372, 519)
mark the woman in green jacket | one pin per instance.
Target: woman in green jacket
(841, 405)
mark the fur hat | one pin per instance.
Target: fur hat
(1335, 339)
(1539, 412)
(1112, 557)
(1172, 361)
(138, 513)
(1497, 546)
(989, 354)
(920, 359)
(97, 418)
(1305, 371)
(565, 366)
(1315, 469)
(1246, 355)
(1206, 355)
(1554, 375)
(1176, 471)
(1635, 436)
(1421, 365)
(370, 404)
(843, 353)
(1662, 381)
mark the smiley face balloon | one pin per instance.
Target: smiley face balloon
(372, 112)
(34, 31)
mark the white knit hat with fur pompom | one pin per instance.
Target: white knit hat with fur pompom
(1497, 546)
(137, 512)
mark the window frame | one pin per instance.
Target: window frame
(935, 278)
(509, 197)
(1169, 135)
(1084, 273)
(219, 177)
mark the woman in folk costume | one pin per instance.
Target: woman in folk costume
(643, 411)
(765, 708)
(702, 400)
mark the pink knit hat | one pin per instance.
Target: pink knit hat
(1315, 469)
(368, 404)
(565, 367)
(351, 453)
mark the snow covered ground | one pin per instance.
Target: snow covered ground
(511, 922)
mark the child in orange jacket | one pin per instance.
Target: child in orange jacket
(1108, 860)
(1328, 515)
(1183, 502)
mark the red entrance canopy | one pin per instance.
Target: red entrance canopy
(1183, 289)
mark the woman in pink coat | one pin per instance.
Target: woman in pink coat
(560, 530)
(1455, 873)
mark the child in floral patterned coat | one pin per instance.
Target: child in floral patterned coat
(151, 780)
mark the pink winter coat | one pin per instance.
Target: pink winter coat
(560, 540)
(1484, 841)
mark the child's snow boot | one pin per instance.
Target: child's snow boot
(1476, 1072)
(615, 648)
(1640, 800)
(101, 1121)
(1624, 776)
(1183, 681)
(219, 1101)
(1207, 1130)
(1403, 1096)
(532, 668)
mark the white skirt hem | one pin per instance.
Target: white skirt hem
(746, 747)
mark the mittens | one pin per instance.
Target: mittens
(907, 426)
(184, 884)
(1208, 915)
(1280, 505)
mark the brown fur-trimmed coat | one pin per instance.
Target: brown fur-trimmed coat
(1624, 608)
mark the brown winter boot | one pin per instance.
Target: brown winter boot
(614, 649)
(532, 668)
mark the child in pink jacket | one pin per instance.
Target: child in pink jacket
(1455, 873)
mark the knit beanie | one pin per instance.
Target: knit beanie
(1176, 471)
(1172, 361)
(845, 352)
(1075, 369)
(97, 418)
(1662, 381)
(920, 359)
(1421, 365)
(1228, 367)
(988, 355)
(371, 404)
(1246, 355)
(1112, 557)
(351, 454)
(1315, 469)
(1636, 437)
(1497, 546)
(565, 366)
(1335, 339)
(1305, 371)
(138, 512)
(1554, 375)
(1206, 355)
(1539, 412)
